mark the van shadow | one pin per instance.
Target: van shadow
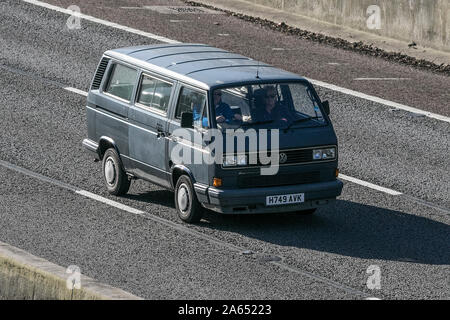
(161, 197)
(348, 229)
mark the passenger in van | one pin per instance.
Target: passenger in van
(223, 110)
(271, 109)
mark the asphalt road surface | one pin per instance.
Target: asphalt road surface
(150, 253)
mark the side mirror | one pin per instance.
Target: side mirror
(326, 107)
(187, 120)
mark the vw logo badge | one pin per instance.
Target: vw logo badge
(283, 158)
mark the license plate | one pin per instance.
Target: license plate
(285, 199)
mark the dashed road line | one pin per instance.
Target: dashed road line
(370, 185)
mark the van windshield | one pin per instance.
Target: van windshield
(278, 105)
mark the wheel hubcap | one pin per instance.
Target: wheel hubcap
(183, 198)
(110, 171)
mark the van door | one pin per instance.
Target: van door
(148, 129)
(195, 101)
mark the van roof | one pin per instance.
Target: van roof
(201, 64)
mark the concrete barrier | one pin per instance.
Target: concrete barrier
(427, 22)
(27, 277)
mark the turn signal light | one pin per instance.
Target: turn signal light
(217, 182)
(337, 173)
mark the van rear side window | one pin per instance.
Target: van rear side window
(121, 82)
(154, 93)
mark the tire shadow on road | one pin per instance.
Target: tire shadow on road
(161, 197)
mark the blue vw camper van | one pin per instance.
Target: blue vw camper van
(154, 112)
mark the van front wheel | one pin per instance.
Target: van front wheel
(188, 207)
(115, 177)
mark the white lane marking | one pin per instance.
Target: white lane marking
(100, 21)
(382, 79)
(342, 176)
(370, 185)
(379, 100)
(109, 202)
(78, 91)
(315, 82)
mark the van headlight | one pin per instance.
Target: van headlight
(233, 161)
(324, 154)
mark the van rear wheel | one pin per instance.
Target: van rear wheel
(116, 179)
(188, 207)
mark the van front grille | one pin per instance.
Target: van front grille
(99, 74)
(278, 180)
(291, 157)
(298, 156)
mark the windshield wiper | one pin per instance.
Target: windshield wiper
(257, 122)
(301, 120)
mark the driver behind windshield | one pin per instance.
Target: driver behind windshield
(271, 110)
(223, 110)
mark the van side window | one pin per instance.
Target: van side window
(195, 102)
(154, 93)
(121, 82)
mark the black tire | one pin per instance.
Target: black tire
(307, 212)
(116, 180)
(188, 207)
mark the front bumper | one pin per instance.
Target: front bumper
(253, 200)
